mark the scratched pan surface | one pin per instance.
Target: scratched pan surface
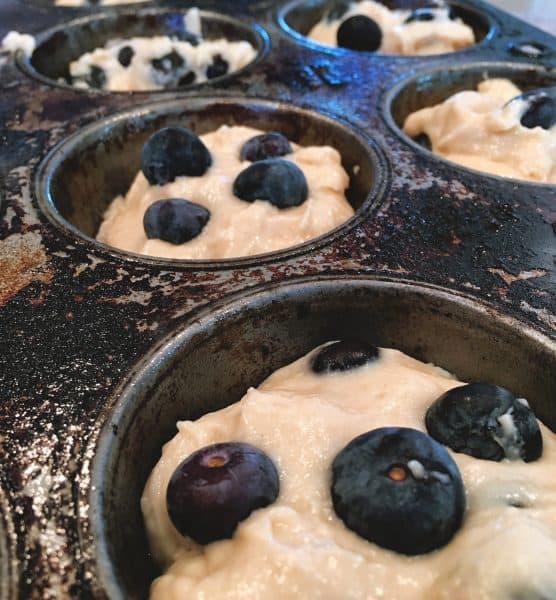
(75, 317)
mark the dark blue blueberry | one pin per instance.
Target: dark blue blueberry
(423, 140)
(217, 487)
(398, 488)
(172, 152)
(279, 181)
(359, 33)
(187, 79)
(218, 67)
(337, 11)
(169, 62)
(343, 356)
(175, 220)
(266, 145)
(541, 111)
(421, 14)
(427, 12)
(169, 70)
(96, 78)
(485, 421)
(125, 56)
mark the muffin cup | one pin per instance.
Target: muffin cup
(80, 177)
(298, 18)
(56, 48)
(433, 86)
(231, 346)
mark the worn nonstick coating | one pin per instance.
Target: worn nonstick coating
(234, 345)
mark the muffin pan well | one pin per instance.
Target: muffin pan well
(243, 341)
(300, 16)
(432, 87)
(85, 173)
(431, 244)
(58, 47)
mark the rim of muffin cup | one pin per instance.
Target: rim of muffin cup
(81, 175)
(483, 25)
(95, 30)
(233, 344)
(428, 87)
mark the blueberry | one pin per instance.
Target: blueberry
(186, 36)
(421, 14)
(187, 79)
(423, 140)
(266, 145)
(359, 33)
(485, 421)
(169, 62)
(541, 111)
(175, 220)
(279, 181)
(217, 487)
(169, 69)
(398, 488)
(96, 78)
(218, 67)
(172, 152)
(125, 55)
(343, 356)
(337, 11)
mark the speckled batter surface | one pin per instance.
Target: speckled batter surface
(298, 548)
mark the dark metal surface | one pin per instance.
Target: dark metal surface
(75, 317)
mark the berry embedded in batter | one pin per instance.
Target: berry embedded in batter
(359, 33)
(343, 356)
(175, 220)
(267, 145)
(398, 488)
(485, 421)
(172, 152)
(541, 109)
(219, 486)
(278, 181)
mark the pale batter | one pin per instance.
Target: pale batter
(417, 37)
(478, 129)
(236, 228)
(298, 548)
(160, 62)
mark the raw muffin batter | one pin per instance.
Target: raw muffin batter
(160, 62)
(236, 227)
(418, 36)
(297, 547)
(481, 130)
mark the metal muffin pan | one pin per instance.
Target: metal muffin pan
(85, 173)
(56, 48)
(474, 252)
(213, 360)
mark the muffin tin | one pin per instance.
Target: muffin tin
(446, 263)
